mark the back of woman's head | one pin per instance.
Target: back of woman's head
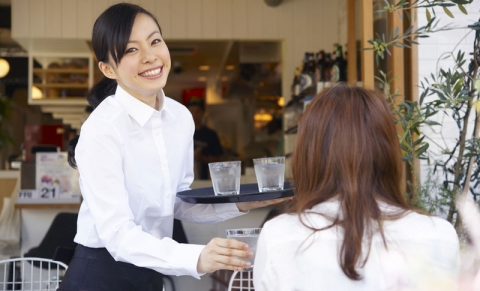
(347, 147)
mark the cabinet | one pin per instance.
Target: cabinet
(60, 79)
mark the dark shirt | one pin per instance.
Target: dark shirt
(208, 140)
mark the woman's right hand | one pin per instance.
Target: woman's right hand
(223, 254)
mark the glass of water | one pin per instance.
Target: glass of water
(270, 173)
(248, 236)
(225, 177)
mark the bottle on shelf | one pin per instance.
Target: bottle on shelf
(327, 71)
(307, 78)
(339, 72)
(320, 67)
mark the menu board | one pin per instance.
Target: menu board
(56, 181)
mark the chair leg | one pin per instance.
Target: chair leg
(14, 277)
(170, 280)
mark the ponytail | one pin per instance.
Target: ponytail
(104, 88)
(71, 151)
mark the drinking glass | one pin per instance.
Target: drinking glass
(248, 236)
(225, 177)
(270, 173)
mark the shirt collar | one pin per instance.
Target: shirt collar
(138, 110)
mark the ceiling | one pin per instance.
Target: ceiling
(187, 58)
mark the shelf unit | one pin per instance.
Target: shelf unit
(62, 79)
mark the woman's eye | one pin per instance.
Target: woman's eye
(156, 41)
(130, 50)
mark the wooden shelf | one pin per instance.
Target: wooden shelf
(59, 101)
(48, 206)
(61, 71)
(61, 85)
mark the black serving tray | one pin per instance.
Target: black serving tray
(248, 192)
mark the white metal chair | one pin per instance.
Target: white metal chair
(21, 274)
(241, 281)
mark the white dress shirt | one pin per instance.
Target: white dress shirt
(132, 161)
(422, 254)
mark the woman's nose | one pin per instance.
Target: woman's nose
(149, 56)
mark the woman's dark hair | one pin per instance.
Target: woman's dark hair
(110, 36)
(347, 147)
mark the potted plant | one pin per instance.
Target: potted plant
(452, 92)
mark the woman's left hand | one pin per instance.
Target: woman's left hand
(246, 206)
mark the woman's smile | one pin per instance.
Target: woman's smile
(152, 73)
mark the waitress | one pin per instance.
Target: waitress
(134, 154)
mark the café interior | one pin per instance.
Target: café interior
(238, 56)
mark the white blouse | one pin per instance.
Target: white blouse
(132, 161)
(422, 254)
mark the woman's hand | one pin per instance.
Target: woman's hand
(246, 206)
(221, 253)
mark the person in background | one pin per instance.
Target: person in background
(350, 227)
(134, 154)
(207, 147)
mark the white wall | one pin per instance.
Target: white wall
(430, 51)
(304, 25)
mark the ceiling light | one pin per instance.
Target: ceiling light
(202, 79)
(4, 67)
(262, 116)
(281, 102)
(36, 93)
(230, 67)
(204, 68)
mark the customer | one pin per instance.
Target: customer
(350, 227)
(207, 147)
(134, 154)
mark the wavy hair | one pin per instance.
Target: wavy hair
(347, 147)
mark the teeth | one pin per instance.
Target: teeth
(151, 73)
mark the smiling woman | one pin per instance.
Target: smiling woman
(145, 65)
(134, 154)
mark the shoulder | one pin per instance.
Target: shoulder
(106, 112)
(419, 226)
(104, 118)
(292, 226)
(176, 107)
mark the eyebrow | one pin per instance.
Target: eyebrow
(149, 36)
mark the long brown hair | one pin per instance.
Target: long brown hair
(347, 147)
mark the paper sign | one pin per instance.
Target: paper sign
(55, 178)
(25, 194)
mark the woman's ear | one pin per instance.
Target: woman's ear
(107, 70)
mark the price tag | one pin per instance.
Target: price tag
(26, 194)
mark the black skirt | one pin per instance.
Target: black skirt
(94, 269)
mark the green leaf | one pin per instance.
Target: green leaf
(422, 149)
(429, 16)
(408, 16)
(477, 84)
(448, 12)
(462, 8)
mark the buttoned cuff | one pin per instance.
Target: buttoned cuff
(186, 258)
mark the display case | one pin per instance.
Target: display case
(60, 79)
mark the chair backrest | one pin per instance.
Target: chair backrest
(60, 234)
(241, 281)
(21, 274)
